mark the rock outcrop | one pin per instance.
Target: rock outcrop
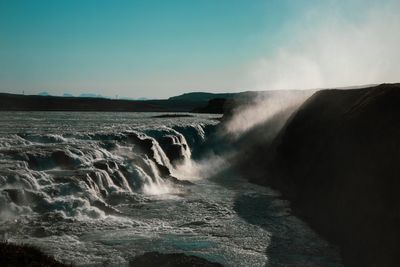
(156, 259)
(337, 161)
(13, 255)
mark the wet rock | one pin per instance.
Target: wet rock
(195, 223)
(156, 259)
(102, 165)
(173, 148)
(177, 181)
(173, 116)
(164, 171)
(63, 160)
(13, 255)
(109, 210)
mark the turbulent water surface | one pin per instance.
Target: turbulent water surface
(97, 189)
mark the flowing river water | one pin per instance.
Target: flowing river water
(97, 189)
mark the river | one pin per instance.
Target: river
(97, 189)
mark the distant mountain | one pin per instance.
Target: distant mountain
(92, 95)
(201, 96)
(44, 94)
(67, 95)
(131, 98)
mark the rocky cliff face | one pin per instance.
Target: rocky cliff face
(337, 160)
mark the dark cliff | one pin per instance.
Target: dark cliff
(337, 161)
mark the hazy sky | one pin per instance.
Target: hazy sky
(152, 48)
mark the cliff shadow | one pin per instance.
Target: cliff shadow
(291, 242)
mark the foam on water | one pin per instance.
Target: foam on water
(74, 161)
(97, 189)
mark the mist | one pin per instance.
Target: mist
(323, 48)
(328, 49)
(262, 108)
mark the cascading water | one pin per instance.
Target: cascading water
(97, 189)
(82, 168)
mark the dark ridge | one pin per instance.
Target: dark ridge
(173, 116)
(201, 96)
(13, 255)
(337, 161)
(199, 102)
(13, 102)
(156, 259)
(214, 106)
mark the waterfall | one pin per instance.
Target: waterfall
(80, 174)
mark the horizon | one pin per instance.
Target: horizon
(158, 49)
(117, 97)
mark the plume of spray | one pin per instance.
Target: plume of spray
(328, 48)
(209, 165)
(263, 107)
(325, 48)
(226, 144)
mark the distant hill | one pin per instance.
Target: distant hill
(15, 102)
(201, 96)
(199, 102)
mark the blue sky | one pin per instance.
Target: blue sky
(148, 48)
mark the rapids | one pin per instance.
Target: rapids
(97, 189)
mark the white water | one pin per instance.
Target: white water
(96, 189)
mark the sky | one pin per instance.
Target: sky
(161, 48)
